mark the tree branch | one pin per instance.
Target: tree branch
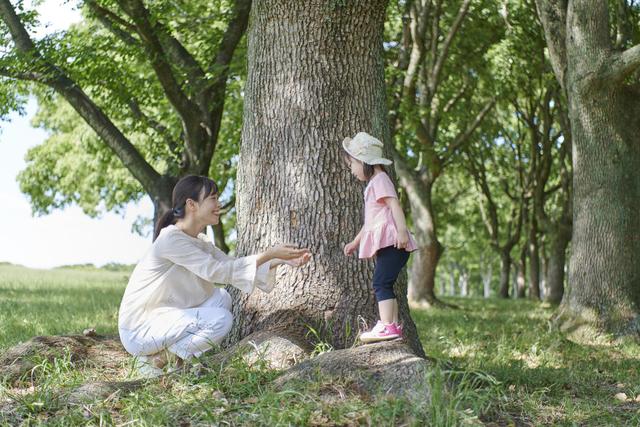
(113, 22)
(553, 16)
(84, 106)
(444, 53)
(232, 36)
(185, 108)
(463, 137)
(621, 65)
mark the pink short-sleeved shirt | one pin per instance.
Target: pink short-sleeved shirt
(380, 230)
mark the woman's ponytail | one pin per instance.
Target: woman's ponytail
(165, 220)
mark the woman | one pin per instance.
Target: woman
(173, 302)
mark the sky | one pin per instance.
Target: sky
(66, 236)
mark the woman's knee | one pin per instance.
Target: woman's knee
(226, 299)
(226, 322)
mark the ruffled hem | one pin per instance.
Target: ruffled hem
(382, 237)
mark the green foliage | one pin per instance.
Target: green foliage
(74, 166)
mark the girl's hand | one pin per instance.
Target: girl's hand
(350, 248)
(402, 239)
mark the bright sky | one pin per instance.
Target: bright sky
(64, 237)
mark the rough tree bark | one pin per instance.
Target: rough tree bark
(315, 76)
(601, 84)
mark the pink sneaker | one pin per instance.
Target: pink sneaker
(381, 332)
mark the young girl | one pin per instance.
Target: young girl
(174, 302)
(384, 233)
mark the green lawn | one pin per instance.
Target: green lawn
(59, 301)
(516, 370)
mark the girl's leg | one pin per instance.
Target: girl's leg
(389, 263)
(386, 309)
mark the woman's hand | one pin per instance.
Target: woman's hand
(284, 253)
(296, 262)
(402, 240)
(287, 252)
(350, 248)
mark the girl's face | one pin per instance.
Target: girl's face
(356, 168)
(207, 211)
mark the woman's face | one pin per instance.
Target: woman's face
(208, 210)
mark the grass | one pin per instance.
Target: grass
(511, 367)
(59, 301)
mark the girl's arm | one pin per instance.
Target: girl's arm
(401, 223)
(356, 239)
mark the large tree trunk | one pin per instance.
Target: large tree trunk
(315, 75)
(605, 272)
(604, 111)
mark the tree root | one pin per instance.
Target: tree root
(373, 370)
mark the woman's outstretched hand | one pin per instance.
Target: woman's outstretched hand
(296, 262)
(285, 253)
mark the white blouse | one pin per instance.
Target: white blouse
(181, 271)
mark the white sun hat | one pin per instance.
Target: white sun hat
(365, 148)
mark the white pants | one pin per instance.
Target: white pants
(185, 332)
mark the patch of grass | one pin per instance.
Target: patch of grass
(509, 367)
(545, 378)
(57, 302)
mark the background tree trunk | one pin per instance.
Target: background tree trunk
(505, 269)
(604, 110)
(315, 75)
(555, 270)
(534, 260)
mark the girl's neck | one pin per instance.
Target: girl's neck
(377, 170)
(190, 227)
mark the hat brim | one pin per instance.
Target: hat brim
(381, 161)
(376, 161)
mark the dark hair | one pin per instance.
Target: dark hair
(367, 169)
(192, 187)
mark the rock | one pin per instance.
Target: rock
(621, 397)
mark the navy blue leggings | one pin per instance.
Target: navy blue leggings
(389, 263)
